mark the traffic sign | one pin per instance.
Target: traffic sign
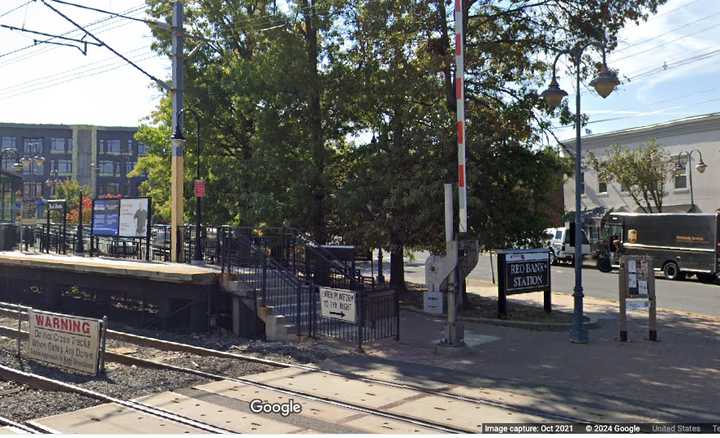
(338, 304)
(199, 188)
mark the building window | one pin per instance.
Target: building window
(29, 167)
(110, 189)
(681, 176)
(106, 168)
(8, 143)
(142, 149)
(63, 167)
(32, 190)
(110, 146)
(33, 145)
(60, 145)
(602, 186)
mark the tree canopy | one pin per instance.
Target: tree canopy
(641, 171)
(337, 117)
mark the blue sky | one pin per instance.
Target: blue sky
(672, 61)
(52, 84)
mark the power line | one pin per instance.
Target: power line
(665, 43)
(15, 8)
(137, 67)
(104, 22)
(92, 73)
(114, 14)
(55, 76)
(647, 40)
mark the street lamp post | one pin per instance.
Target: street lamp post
(197, 258)
(604, 84)
(700, 167)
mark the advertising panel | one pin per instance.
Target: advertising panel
(134, 217)
(106, 217)
(64, 340)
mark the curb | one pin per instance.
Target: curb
(592, 323)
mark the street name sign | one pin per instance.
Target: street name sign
(65, 341)
(338, 304)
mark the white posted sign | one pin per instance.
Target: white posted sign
(338, 304)
(433, 302)
(63, 340)
(134, 217)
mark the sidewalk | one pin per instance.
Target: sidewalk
(674, 380)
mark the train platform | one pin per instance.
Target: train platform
(172, 272)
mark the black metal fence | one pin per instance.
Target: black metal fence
(280, 268)
(287, 275)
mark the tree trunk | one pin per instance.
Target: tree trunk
(315, 121)
(397, 267)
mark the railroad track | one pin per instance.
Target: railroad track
(21, 427)
(164, 345)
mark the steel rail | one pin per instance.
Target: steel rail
(23, 428)
(164, 345)
(202, 351)
(38, 381)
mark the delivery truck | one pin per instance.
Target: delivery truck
(680, 244)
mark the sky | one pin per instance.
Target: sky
(668, 66)
(675, 49)
(59, 85)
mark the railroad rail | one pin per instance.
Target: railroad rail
(165, 345)
(23, 428)
(41, 382)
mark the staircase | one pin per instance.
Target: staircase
(283, 271)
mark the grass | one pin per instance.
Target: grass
(486, 307)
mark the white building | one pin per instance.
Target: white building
(678, 137)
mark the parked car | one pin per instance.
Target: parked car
(680, 244)
(560, 245)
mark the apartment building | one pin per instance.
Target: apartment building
(96, 156)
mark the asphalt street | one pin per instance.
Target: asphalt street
(688, 295)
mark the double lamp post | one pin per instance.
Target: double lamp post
(604, 84)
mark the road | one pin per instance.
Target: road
(688, 295)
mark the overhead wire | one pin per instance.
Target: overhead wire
(43, 49)
(17, 8)
(67, 78)
(673, 30)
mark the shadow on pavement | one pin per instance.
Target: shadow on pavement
(674, 380)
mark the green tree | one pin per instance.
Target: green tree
(290, 97)
(642, 171)
(70, 190)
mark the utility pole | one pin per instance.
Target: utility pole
(178, 140)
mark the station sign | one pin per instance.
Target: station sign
(66, 341)
(338, 304)
(526, 272)
(523, 271)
